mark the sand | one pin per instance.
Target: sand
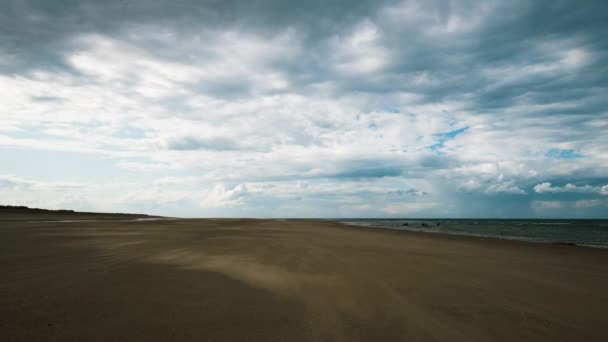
(290, 280)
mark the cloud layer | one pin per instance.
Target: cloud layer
(321, 108)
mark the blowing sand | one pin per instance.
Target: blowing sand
(290, 280)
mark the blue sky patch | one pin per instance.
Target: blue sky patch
(556, 153)
(445, 136)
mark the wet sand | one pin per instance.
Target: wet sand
(290, 280)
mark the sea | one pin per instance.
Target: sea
(588, 233)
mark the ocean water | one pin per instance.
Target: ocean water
(589, 233)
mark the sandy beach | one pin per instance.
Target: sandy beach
(290, 280)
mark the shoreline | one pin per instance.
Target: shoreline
(511, 238)
(351, 224)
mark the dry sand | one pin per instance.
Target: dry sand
(290, 280)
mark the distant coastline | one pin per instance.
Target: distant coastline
(13, 213)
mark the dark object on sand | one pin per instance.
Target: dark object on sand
(565, 243)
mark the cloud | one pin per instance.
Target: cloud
(222, 196)
(407, 208)
(547, 187)
(552, 206)
(15, 190)
(190, 143)
(590, 203)
(15, 182)
(548, 205)
(144, 166)
(505, 188)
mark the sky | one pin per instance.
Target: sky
(282, 108)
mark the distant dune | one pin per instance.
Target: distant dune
(21, 213)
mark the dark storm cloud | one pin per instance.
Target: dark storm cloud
(34, 33)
